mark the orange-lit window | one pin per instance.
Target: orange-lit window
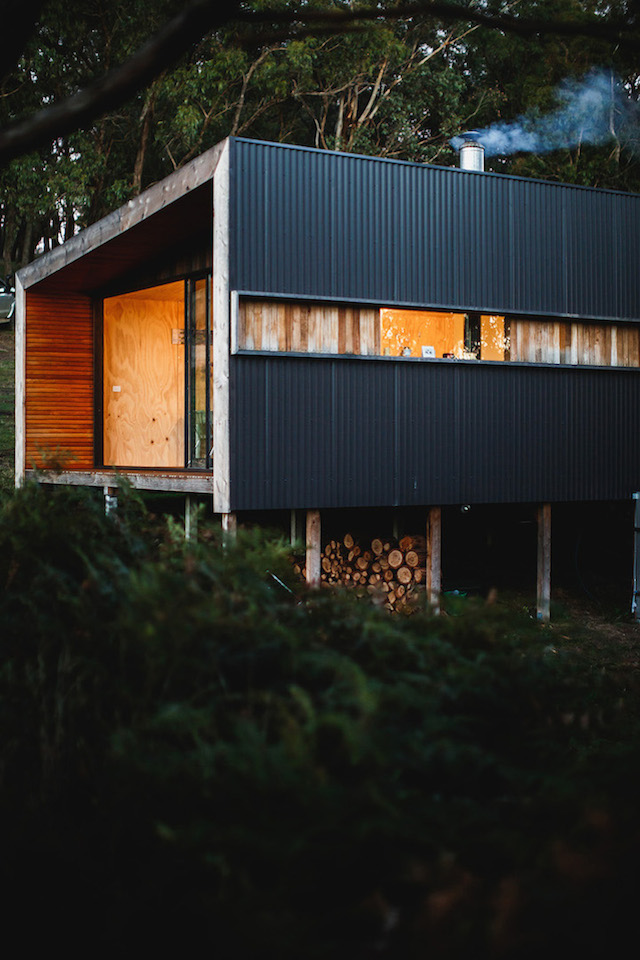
(494, 342)
(424, 333)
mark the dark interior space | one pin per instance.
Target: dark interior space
(486, 546)
(495, 546)
(592, 552)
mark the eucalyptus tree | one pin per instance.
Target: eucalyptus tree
(552, 68)
(97, 101)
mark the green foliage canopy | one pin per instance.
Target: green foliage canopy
(397, 85)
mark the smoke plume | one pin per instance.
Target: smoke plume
(592, 110)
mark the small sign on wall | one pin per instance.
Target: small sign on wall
(428, 352)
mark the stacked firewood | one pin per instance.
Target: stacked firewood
(392, 572)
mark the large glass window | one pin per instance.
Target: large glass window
(156, 377)
(425, 333)
(198, 343)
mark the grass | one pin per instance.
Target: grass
(7, 414)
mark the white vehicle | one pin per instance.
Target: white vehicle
(7, 301)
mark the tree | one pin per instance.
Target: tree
(92, 110)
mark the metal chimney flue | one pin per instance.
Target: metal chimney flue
(471, 151)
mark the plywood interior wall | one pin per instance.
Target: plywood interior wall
(59, 387)
(494, 342)
(143, 378)
(405, 332)
(546, 341)
(308, 328)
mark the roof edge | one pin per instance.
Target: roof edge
(151, 201)
(419, 164)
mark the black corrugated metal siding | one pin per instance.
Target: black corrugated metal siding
(310, 223)
(336, 432)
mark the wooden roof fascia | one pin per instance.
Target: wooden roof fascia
(151, 201)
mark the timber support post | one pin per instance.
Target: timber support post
(296, 530)
(229, 525)
(110, 500)
(190, 518)
(434, 558)
(313, 540)
(543, 593)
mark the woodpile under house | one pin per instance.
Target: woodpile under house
(393, 573)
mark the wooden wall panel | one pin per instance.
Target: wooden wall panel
(144, 380)
(559, 341)
(59, 374)
(308, 328)
(326, 328)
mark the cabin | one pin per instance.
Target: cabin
(280, 328)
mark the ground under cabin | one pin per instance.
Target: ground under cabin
(282, 329)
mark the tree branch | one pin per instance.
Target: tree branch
(624, 33)
(180, 34)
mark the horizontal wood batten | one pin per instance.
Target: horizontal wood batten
(59, 379)
(169, 482)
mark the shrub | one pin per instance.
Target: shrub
(197, 752)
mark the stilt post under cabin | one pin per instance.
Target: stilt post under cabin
(110, 500)
(296, 534)
(313, 547)
(229, 524)
(190, 518)
(434, 558)
(543, 597)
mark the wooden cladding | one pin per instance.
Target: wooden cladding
(290, 327)
(308, 328)
(599, 344)
(59, 389)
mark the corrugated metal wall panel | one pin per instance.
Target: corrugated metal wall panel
(537, 255)
(594, 281)
(329, 432)
(628, 257)
(310, 223)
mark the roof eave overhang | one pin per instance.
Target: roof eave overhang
(151, 203)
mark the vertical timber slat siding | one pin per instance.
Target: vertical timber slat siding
(341, 432)
(315, 224)
(308, 328)
(59, 395)
(596, 344)
(287, 326)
